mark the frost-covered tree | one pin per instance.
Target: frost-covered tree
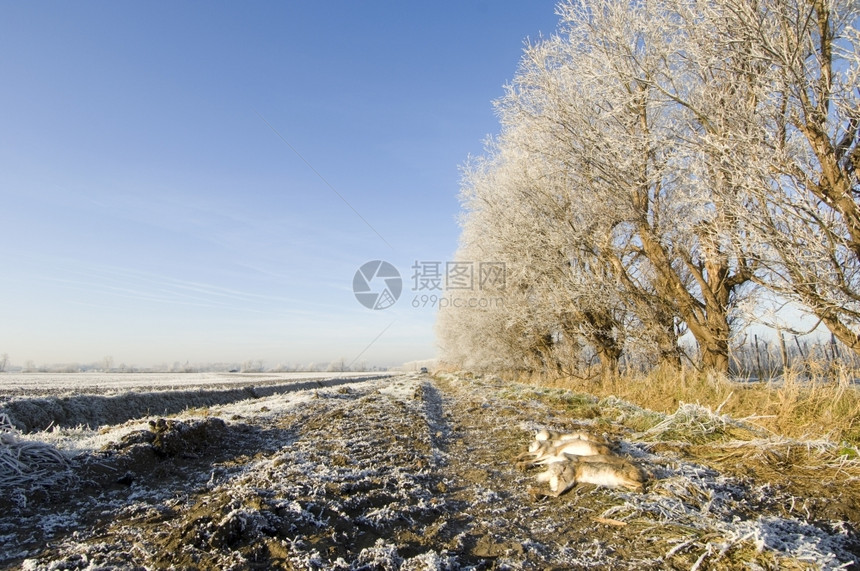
(602, 103)
(800, 148)
(555, 310)
(338, 365)
(659, 159)
(491, 327)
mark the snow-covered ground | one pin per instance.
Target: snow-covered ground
(40, 402)
(98, 383)
(411, 472)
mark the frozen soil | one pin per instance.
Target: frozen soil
(414, 472)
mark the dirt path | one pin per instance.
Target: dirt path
(403, 473)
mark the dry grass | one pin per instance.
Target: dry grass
(23, 461)
(796, 406)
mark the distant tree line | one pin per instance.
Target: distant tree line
(106, 365)
(662, 168)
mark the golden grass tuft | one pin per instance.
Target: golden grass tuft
(796, 406)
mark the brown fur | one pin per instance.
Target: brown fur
(580, 457)
(544, 452)
(557, 438)
(564, 475)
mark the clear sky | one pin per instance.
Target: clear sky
(170, 172)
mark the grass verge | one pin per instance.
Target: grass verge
(795, 406)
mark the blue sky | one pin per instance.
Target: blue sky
(151, 213)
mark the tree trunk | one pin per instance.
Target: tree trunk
(841, 332)
(715, 358)
(601, 334)
(609, 360)
(668, 352)
(708, 319)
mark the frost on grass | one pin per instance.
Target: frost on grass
(24, 462)
(694, 423)
(714, 513)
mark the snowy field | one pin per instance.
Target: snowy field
(97, 383)
(41, 401)
(416, 473)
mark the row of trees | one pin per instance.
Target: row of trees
(664, 166)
